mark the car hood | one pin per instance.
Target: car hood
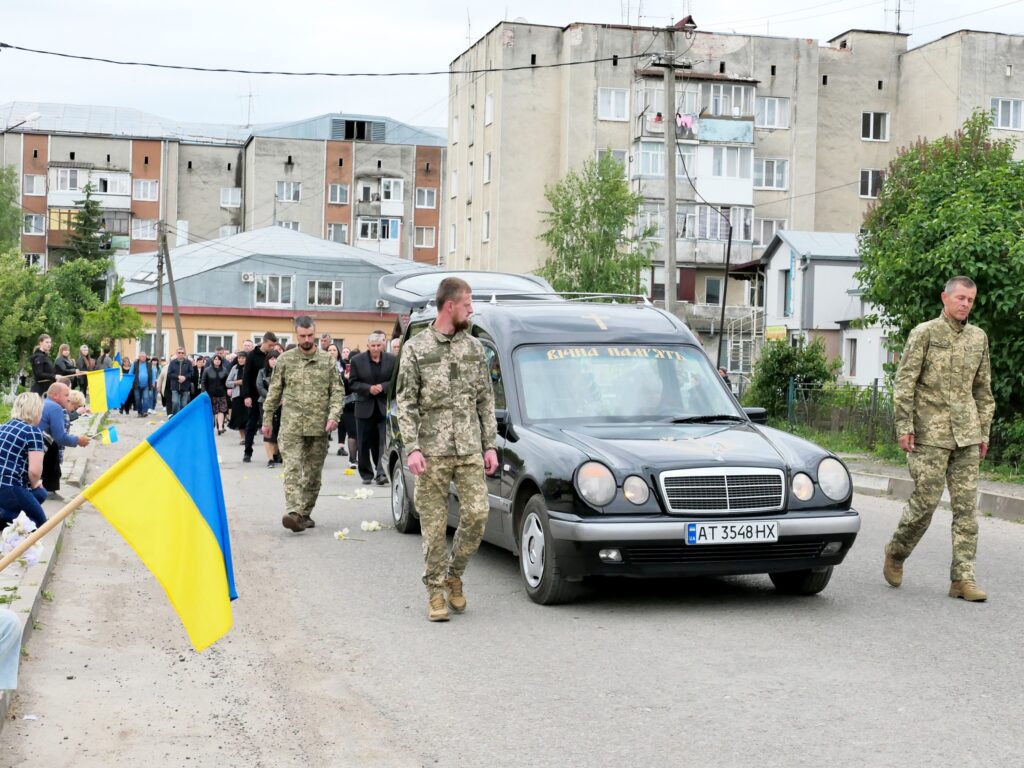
(679, 446)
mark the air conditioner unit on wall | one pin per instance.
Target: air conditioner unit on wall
(248, 277)
(383, 304)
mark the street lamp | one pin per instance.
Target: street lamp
(29, 118)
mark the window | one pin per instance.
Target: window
(366, 193)
(485, 227)
(424, 237)
(143, 229)
(70, 179)
(731, 162)
(34, 185)
(652, 158)
(36, 260)
(61, 219)
(289, 191)
(1006, 113)
(337, 233)
(874, 126)
(391, 190)
(770, 173)
(728, 100)
(227, 230)
(772, 112)
(117, 222)
(147, 343)
(274, 290)
(292, 225)
(712, 290)
(113, 183)
(451, 238)
(619, 155)
(489, 109)
(785, 293)
(426, 197)
(871, 182)
(390, 229)
(455, 129)
(714, 226)
(611, 104)
(207, 343)
(650, 98)
(230, 197)
(369, 229)
(851, 357)
(487, 168)
(494, 366)
(652, 216)
(146, 189)
(765, 229)
(455, 182)
(337, 194)
(325, 293)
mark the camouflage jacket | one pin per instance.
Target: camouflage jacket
(445, 397)
(308, 390)
(943, 393)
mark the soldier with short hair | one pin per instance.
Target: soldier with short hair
(305, 385)
(446, 417)
(944, 406)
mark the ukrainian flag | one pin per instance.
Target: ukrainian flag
(108, 435)
(178, 527)
(104, 389)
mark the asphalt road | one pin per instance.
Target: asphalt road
(332, 662)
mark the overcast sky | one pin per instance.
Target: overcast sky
(381, 36)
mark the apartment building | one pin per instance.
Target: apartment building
(361, 180)
(772, 133)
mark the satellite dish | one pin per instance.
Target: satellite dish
(520, 20)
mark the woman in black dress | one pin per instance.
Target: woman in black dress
(239, 413)
(214, 384)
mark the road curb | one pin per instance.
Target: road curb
(989, 504)
(33, 582)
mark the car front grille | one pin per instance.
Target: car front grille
(725, 490)
(720, 553)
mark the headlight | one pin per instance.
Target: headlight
(803, 486)
(636, 490)
(833, 479)
(595, 483)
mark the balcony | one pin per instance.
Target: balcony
(705, 318)
(368, 207)
(648, 125)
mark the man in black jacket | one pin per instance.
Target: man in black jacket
(369, 376)
(253, 365)
(179, 381)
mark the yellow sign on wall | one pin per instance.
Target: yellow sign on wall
(776, 333)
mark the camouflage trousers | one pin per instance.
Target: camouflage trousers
(303, 466)
(432, 489)
(931, 469)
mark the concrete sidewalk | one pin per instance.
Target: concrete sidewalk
(26, 588)
(879, 478)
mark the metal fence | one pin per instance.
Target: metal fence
(863, 412)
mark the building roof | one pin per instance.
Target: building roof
(831, 246)
(138, 270)
(868, 32)
(92, 120)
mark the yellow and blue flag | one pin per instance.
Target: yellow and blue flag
(108, 435)
(179, 528)
(105, 389)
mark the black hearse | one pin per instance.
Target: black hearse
(621, 451)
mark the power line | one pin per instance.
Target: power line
(965, 15)
(284, 73)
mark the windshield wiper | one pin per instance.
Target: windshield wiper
(704, 419)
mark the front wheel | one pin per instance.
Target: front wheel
(402, 510)
(538, 563)
(809, 582)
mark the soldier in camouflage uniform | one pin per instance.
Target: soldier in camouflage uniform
(446, 417)
(306, 386)
(944, 407)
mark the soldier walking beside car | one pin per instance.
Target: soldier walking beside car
(944, 407)
(446, 417)
(306, 387)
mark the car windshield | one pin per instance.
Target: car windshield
(620, 383)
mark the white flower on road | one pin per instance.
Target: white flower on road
(14, 534)
(341, 535)
(371, 525)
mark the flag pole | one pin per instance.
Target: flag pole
(42, 530)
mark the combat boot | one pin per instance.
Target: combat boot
(456, 600)
(293, 522)
(892, 569)
(967, 590)
(437, 609)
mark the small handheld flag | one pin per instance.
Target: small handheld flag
(108, 435)
(181, 532)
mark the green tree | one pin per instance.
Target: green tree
(10, 213)
(950, 207)
(112, 320)
(86, 240)
(779, 362)
(591, 211)
(30, 306)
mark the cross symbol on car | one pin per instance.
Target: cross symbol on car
(598, 319)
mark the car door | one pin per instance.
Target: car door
(497, 502)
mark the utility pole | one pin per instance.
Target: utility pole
(170, 283)
(668, 61)
(158, 342)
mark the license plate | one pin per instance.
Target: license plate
(732, 533)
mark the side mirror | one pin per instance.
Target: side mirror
(505, 428)
(757, 415)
